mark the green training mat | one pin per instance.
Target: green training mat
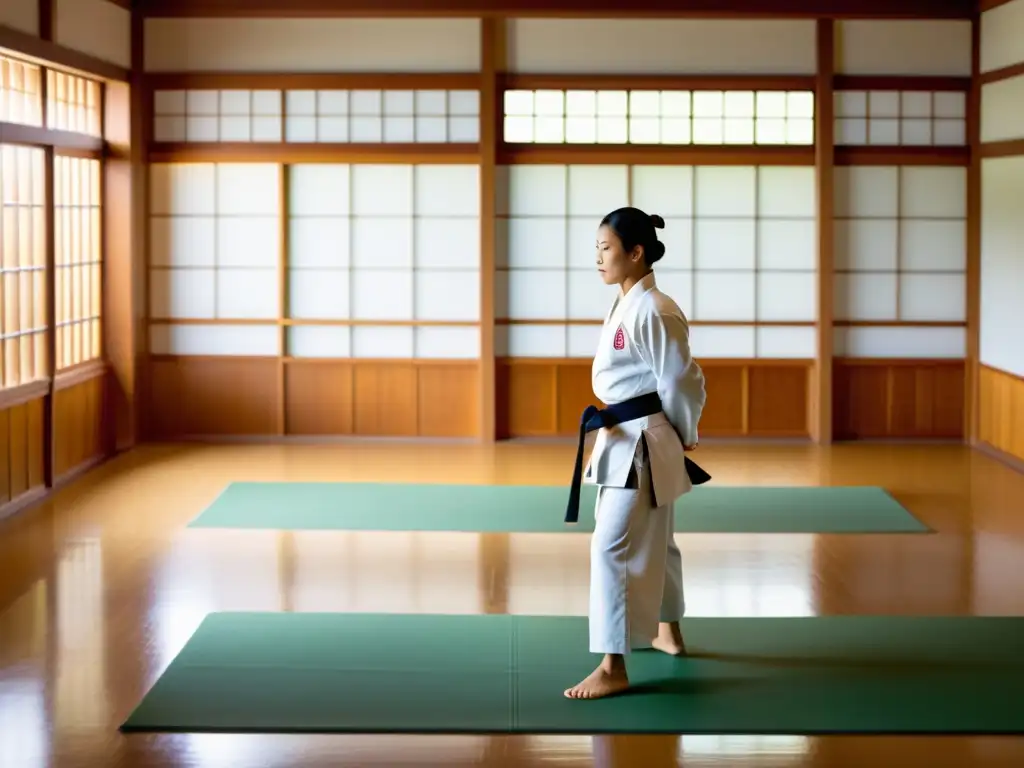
(377, 673)
(541, 509)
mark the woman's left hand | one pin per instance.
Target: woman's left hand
(690, 447)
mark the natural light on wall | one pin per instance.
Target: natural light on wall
(659, 117)
(77, 259)
(73, 104)
(22, 266)
(325, 116)
(19, 92)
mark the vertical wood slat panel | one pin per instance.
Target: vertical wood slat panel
(22, 464)
(898, 399)
(196, 396)
(760, 398)
(1001, 411)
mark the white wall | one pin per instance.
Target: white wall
(897, 47)
(1002, 36)
(97, 27)
(900, 255)
(387, 243)
(661, 46)
(1002, 194)
(740, 248)
(1002, 263)
(22, 15)
(312, 45)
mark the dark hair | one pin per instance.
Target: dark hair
(634, 227)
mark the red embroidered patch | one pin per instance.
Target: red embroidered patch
(620, 340)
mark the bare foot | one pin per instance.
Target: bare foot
(670, 639)
(606, 680)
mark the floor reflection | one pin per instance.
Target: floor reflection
(97, 599)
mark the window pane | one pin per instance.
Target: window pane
(644, 130)
(549, 130)
(581, 130)
(771, 104)
(771, 130)
(675, 130)
(800, 104)
(612, 130)
(675, 103)
(739, 130)
(77, 257)
(800, 131)
(612, 103)
(519, 102)
(581, 103)
(739, 103)
(644, 103)
(549, 103)
(22, 266)
(708, 104)
(519, 130)
(707, 130)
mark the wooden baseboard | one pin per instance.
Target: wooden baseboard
(24, 501)
(1001, 456)
(40, 495)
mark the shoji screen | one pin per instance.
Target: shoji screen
(900, 245)
(384, 261)
(214, 255)
(740, 256)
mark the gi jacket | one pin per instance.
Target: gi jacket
(645, 347)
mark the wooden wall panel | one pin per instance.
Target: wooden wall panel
(214, 396)
(80, 427)
(1001, 411)
(898, 399)
(763, 398)
(22, 465)
(198, 396)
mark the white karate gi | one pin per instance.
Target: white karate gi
(636, 575)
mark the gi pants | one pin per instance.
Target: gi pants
(636, 574)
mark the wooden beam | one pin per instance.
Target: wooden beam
(493, 58)
(47, 52)
(16, 133)
(973, 249)
(804, 9)
(820, 400)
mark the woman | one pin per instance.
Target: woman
(655, 391)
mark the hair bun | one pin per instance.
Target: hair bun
(657, 221)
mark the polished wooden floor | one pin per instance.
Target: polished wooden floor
(100, 588)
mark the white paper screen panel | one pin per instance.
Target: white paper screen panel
(324, 116)
(1002, 263)
(1002, 109)
(663, 46)
(900, 342)
(312, 45)
(900, 118)
(1002, 36)
(900, 247)
(658, 117)
(214, 241)
(384, 243)
(383, 342)
(706, 341)
(903, 47)
(740, 248)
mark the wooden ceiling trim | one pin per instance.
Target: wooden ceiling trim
(299, 81)
(778, 9)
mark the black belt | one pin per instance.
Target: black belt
(594, 419)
